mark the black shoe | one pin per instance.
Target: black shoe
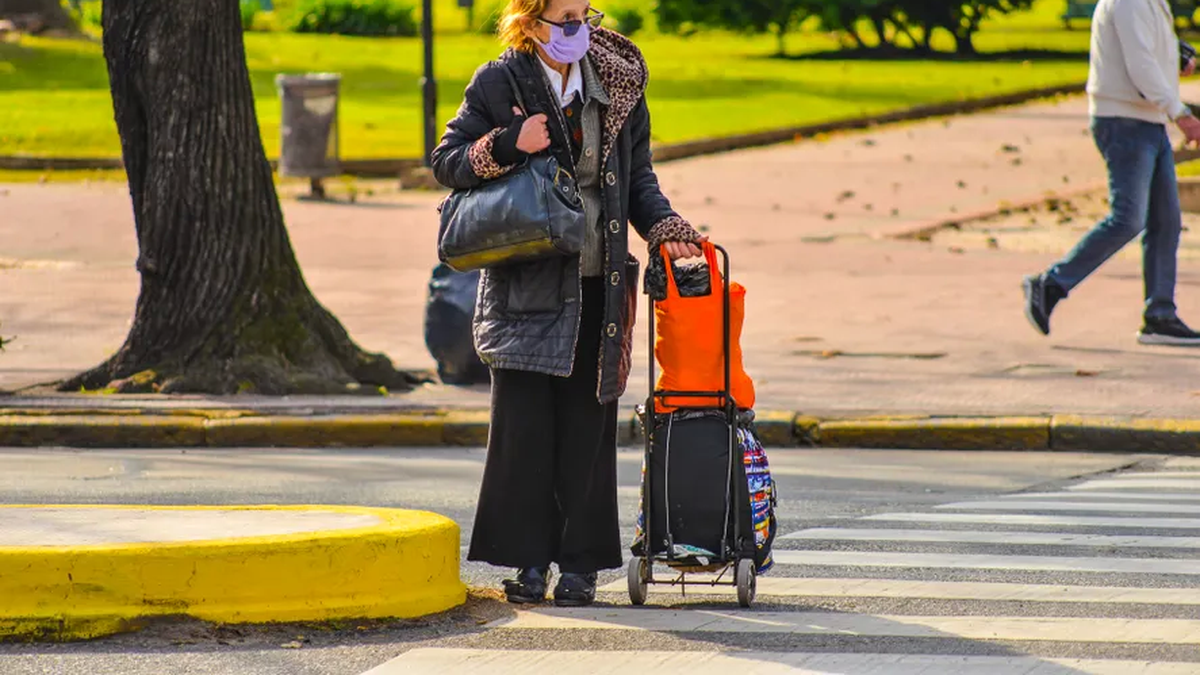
(1170, 331)
(529, 586)
(1041, 295)
(575, 590)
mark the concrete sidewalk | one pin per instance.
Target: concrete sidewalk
(843, 320)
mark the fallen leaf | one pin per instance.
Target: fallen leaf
(962, 184)
(870, 143)
(830, 216)
(1017, 162)
(908, 158)
(1086, 373)
(848, 194)
(993, 243)
(1010, 148)
(292, 645)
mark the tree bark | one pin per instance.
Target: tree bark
(223, 306)
(49, 15)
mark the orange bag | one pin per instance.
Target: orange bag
(689, 342)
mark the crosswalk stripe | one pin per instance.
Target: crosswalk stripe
(1085, 494)
(940, 590)
(1028, 519)
(976, 537)
(1140, 484)
(1072, 506)
(1147, 631)
(541, 662)
(988, 562)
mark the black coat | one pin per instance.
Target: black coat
(527, 317)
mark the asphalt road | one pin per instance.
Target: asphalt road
(896, 561)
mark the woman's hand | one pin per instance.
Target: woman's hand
(680, 250)
(535, 136)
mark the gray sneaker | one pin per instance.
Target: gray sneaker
(1170, 332)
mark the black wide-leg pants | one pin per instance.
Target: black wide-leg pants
(549, 491)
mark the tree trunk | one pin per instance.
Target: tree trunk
(223, 306)
(37, 16)
(964, 42)
(880, 28)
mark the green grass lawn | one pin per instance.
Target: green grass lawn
(54, 98)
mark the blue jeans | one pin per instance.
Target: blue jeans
(1144, 198)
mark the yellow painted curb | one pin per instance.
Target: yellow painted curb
(102, 431)
(1001, 433)
(776, 429)
(322, 432)
(1115, 434)
(406, 566)
(466, 428)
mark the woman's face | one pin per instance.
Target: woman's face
(557, 11)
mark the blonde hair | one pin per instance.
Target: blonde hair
(511, 26)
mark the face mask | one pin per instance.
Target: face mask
(567, 49)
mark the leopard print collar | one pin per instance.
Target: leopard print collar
(624, 74)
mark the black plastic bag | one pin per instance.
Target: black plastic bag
(693, 280)
(448, 316)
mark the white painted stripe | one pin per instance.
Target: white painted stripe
(1085, 494)
(1140, 484)
(939, 590)
(1008, 538)
(1024, 519)
(1182, 463)
(1149, 631)
(1036, 563)
(1073, 506)
(533, 662)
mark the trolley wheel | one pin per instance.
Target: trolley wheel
(638, 575)
(747, 582)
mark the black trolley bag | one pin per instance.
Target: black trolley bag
(696, 512)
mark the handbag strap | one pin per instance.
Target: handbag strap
(562, 121)
(512, 81)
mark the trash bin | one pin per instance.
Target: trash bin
(309, 129)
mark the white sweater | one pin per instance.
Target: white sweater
(1135, 62)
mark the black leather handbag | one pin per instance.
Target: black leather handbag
(533, 212)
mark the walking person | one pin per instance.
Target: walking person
(1133, 93)
(557, 333)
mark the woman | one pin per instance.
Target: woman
(557, 333)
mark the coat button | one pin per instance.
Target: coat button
(611, 330)
(589, 152)
(614, 226)
(615, 278)
(611, 178)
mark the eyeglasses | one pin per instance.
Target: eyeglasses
(571, 28)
